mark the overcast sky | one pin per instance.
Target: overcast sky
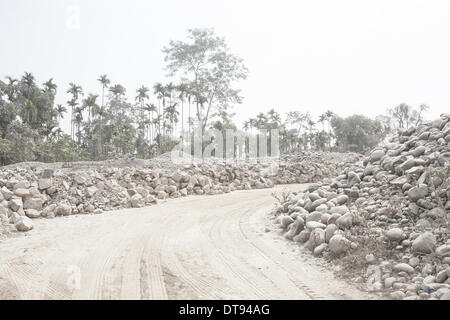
(347, 56)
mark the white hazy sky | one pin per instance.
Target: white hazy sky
(348, 56)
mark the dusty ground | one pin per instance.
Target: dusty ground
(200, 247)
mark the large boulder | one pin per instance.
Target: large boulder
(137, 201)
(33, 203)
(24, 224)
(425, 243)
(338, 244)
(33, 214)
(395, 234)
(376, 155)
(345, 221)
(317, 237)
(418, 192)
(44, 184)
(22, 192)
(63, 210)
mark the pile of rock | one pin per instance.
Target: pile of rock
(305, 167)
(31, 190)
(26, 194)
(392, 209)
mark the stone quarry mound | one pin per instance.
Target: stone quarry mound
(384, 220)
(34, 190)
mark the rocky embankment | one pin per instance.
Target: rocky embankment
(34, 190)
(383, 221)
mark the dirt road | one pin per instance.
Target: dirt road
(203, 247)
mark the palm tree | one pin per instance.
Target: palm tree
(142, 94)
(329, 115)
(157, 123)
(172, 116)
(60, 110)
(11, 88)
(50, 86)
(159, 91)
(246, 125)
(75, 91)
(311, 124)
(261, 120)
(182, 91)
(105, 83)
(90, 102)
(150, 108)
(322, 119)
(28, 79)
(253, 124)
(118, 91)
(78, 120)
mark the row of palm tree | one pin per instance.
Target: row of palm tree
(151, 119)
(297, 131)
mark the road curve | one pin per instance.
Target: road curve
(198, 247)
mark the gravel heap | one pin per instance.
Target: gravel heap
(306, 167)
(35, 190)
(385, 219)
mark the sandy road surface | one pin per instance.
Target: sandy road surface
(203, 247)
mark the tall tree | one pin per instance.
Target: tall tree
(105, 82)
(75, 91)
(205, 63)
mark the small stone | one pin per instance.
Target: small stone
(443, 251)
(397, 295)
(441, 276)
(418, 192)
(403, 267)
(414, 262)
(395, 234)
(44, 184)
(370, 259)
(24, 224)
(329, 231)
(314, 225)
(339, 244)
(388, 282)
(446, 296)
(317, 237)
(22, 192)
(63, 210)
(286, 221)
(33, 214)
(320, 249)
(345, 221)
(424, 243)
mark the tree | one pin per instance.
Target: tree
(150, 108)
(105, 82)
(297, 119)
(357, 133)
(418, 115)
(90, 103)
(160, 91)
(210, 70)
(49, 86)
(142, 95)
(60, 110)
(182, 92)
(75, 91)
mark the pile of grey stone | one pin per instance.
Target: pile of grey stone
(398, 199)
